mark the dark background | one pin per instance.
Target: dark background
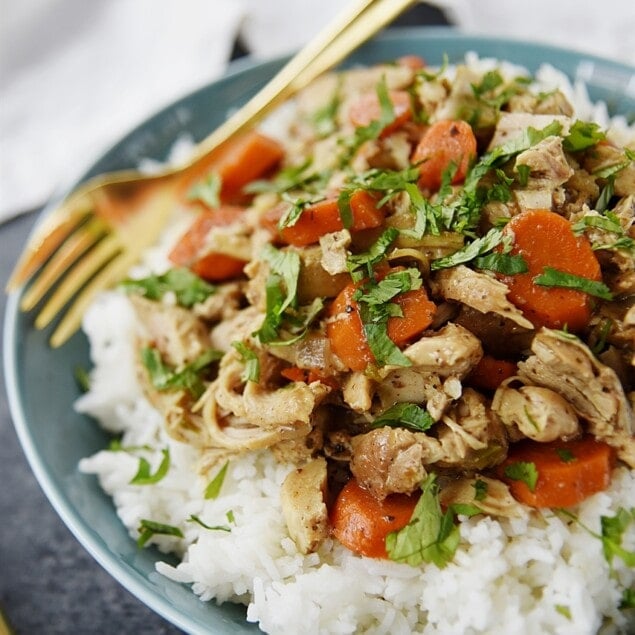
(48, 582)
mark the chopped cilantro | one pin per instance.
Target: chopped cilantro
(563, 610)
(196, 519)
(187, 378)
(280, 289)
(480, 489)
(149, 528)
(604, 200)
(523, 174)
(207, 190)
(523, 471)
(566, 456)
(187, 287)
(297, 205)
(430, 536)
(551, 277)
(583, 135)
(478, 247)
(82, 378)
(613, 529)
(374, 255)
(628, 599)
(292, 177)
(324, 119)
(383, 348)
(251, 361)
(144, 475)
(372, 131)
(506, 264)
(213, 489)
(405, 415)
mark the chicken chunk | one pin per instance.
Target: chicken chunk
(495, 497)
(479, 291)
(511, 125)
(566, 365)
(388, 460)
(302, 496)
(451, 351)
(179, 335)
(535, 412)
(547, 164)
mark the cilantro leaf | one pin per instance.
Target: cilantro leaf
(383, 348)
(196, 519)
(523, 471)
(82, 378)
(507, 264)
(430, 536)
(187, 287)
(405, 415)
(373, 256)
(213, 489)
(207, 190)
(149, 528)
(188, 378)
(372, 131)
(251, 361)
(292, 177)
(144, 475)
(480, 489)
(287, 265)
(478, 247)
(583, 135)
(551, 277)
(613, 529)
(628, 599)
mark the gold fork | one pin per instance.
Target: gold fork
(93, 237)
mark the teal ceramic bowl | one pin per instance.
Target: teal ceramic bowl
(40, 381)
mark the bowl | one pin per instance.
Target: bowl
(40, 380)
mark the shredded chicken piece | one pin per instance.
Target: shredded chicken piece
(302, 498)
(358, 390)
(472, 437)
(412, 384)
(566, 365)
(335, 251)
(451, 351)
(536, 412)
(547, 163)
(387, 461)
(511, 125)
(264, 407)
(479, 291)
(495, 499)
(177, 334)
(237, 328)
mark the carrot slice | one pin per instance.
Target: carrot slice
(190, 252)
(490, 372)
(361, 522)
(568, 471)
(444, 142)
(545, 239)
(323, 217)
(346, 331)
(368, 109)
(238, 162)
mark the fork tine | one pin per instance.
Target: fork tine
(83, 270)
(112, 273)
(62, 260)
(49, 235)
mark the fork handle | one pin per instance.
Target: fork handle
(348, 31)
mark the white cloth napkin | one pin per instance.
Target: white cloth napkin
(75, 75)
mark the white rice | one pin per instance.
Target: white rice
(541, 574)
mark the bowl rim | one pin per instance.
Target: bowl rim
(11, 359)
